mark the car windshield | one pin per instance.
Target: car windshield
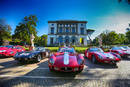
(95, 50)
(9, 46)
(126, 47)
(118, 48)
(39, 49)
(71, 50)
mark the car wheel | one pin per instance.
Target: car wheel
(22, 61)
(80, 70)
(94, 59)
(114, 64)
(38, 59)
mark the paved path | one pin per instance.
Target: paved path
(13, 74)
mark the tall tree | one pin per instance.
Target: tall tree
(122, 38)
(128, 1)
(128, 36)
(5, 30)
(41, 41)
(26, 28)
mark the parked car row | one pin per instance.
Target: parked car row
(66, 59)
(19, 53)
(10, 50)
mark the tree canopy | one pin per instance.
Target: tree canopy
(25, 28)
(112, 38)
(128, 36)
(5, 31)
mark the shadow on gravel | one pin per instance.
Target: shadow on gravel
(41, 78)
(8, 64)
(4, 57)
(126, 59)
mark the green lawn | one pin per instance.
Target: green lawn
(78, 49)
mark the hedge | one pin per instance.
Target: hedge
(78, 49)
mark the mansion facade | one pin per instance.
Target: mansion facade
(69, 32)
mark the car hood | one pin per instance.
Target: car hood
(106, 55)
(66, 60)
(27, 53)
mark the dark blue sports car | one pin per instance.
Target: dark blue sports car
(35, 55)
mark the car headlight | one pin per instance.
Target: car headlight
(80, 61)
(51, 60)
(100, 57)
(11, 52)
(16, 55)
(119, 52)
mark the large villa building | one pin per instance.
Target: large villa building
(69, 32)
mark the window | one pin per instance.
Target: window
(60, 30)
(81, 30)
(81, 24)
(52, 30)
(67, 30)
(51, 40)
(52, 24)
(73, 30)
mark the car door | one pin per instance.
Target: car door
(88, 54)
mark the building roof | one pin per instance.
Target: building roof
(67, 21)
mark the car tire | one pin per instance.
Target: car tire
(39, 58)
(22, 61)
(94, 59)
(80, 71)
(114, 64)
(51, 70)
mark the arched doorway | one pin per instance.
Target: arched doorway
(67, 40)
(60, 39)
(73, 40)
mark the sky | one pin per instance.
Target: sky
(101, 14)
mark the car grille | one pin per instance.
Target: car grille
(66, 68)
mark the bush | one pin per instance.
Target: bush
(53, 49)
(26, 48)
(106, 50)
(77, 49)
(80, 49)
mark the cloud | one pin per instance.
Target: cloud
(117, 23)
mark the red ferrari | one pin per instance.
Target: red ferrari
(123, 52)
(98, 55)
(66, 60)
(11, 50)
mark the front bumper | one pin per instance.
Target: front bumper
(66, 68)
(6, 55)
(109, 61)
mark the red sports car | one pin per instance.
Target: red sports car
(11, 50)
(123, 52)
(98, 55)
(66, 60)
